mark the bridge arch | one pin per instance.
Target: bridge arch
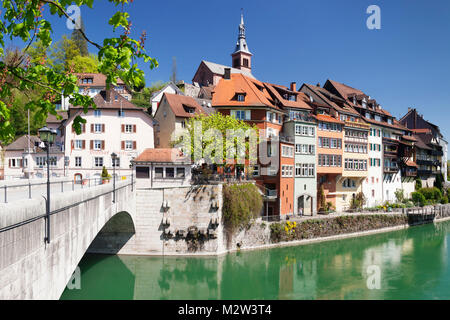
(33, 269)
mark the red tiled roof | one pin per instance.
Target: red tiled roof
(225, 93)
(409, 138)
(327, 118)
(106, 99)
(162, 156)
(52, 118)
(98, 79)
(421, 130)
(345, 90)
(177, 102)
(301, 102)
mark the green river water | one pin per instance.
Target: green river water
(412, 264)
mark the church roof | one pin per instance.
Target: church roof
(220, 69)
(241, 45)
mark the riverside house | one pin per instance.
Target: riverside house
(116, 125)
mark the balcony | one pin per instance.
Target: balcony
(422, 162)
(424, 172)
(409, 173)
(390, 169)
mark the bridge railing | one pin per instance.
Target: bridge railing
(29, 189)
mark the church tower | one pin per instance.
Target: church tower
(242, 57)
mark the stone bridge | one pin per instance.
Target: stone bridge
(30, 268)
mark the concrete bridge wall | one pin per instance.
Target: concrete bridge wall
(33, 269)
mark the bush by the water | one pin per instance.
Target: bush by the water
(285, 231)
(241, 204)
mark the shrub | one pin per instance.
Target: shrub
(418, 198)
(418, 184)
(321, 199)
(439, 182)
(105, 174)
(241, 204)
(399, 195)
(444, 200)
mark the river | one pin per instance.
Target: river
(407, 264)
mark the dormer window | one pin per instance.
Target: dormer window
(354, 100)
(87, 80)
(364, 103)
(292, 97)
(188, 109)
(240, 97)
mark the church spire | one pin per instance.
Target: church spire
(241, 44)
(241, 55)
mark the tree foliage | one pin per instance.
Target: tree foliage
(222, 125)
(24, 21)
(143, 97)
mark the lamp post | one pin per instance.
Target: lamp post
(114, 157)
(47, 136)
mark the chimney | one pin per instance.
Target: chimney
(318, 84)
(227, 74)
(293, 86)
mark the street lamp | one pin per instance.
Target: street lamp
(114, 157)
(47, 136)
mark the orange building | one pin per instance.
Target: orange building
(249, 100)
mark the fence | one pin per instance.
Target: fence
(15, 192)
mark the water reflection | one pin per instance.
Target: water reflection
(413, 265)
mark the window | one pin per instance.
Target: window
(287, 151)
(240, 97)
(255, 171)
(121, 113)
(128, 145)
(304, 170)
(98, 128)
(128, 128)
(98, 144)
(40, 161)
(115, 163)
(159, 173)
(78, 144)
(170, 172)
(97, 113)
(181, 173)
(98, 162)
(240, 114)
(287, 171)
(78, 162)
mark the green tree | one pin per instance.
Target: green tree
(24, 21)
(83, 64)
(143, 97)
(222, 125)
(418, 184)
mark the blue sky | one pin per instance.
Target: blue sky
(405, 64)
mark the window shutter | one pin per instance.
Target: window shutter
(103, 144)
(134, 145)
(9, 161)
(247, 114)
(92, 145)
(92, 127)
(134, 128)
(73, 129)
(21, 163)
(123, 145)
(72, 144)
(84, 144)
(233, 113)
(103, 127)
(123, 128)
(83, 126)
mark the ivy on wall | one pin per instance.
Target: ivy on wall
(241, 204)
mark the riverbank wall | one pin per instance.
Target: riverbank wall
(188, 221)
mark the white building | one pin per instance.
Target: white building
(91, 84)
(158, 95)
(373, 184)
(162, 168)
(25, 158)
(116, 126)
